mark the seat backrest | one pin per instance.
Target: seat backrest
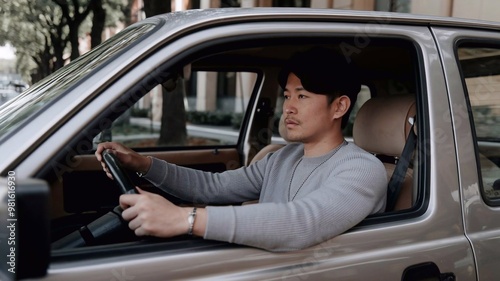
(264, 151)
(271, 147)
(381, 127)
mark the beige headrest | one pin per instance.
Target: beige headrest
(382, 124)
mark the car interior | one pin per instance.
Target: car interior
(382, 121)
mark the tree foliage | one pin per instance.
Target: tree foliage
(45, 33)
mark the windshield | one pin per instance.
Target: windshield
(24, 106)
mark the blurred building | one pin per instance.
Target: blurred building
(478, 9)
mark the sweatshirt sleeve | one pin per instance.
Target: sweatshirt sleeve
(350, 193)
(201, 187)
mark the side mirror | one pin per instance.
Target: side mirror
(24, 228)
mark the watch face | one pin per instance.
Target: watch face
(191, 217)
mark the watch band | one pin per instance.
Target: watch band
(191, 219)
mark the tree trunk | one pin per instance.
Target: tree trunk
(59, 44)
(127, 12)
(157, 7)
(393, 6)
(73, 39)
(43, 62)
(98, 21)
(74, 19)
(173, 120)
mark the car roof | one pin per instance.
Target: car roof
(198, 18)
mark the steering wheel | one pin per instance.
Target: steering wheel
(106, 225)
(121, 178)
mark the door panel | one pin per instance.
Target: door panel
(434, 233)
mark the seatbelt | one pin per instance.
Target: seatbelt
(397, 178)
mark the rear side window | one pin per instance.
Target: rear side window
(480, 66)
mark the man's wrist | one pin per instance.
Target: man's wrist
(145, 167)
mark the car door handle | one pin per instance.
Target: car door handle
(426, 271)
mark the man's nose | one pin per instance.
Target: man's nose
(289, 108)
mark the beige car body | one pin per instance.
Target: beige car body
(450, 226)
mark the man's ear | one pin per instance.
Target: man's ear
(340, 106)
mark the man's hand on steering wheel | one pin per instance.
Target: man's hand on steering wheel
(151, 214)
(144, 211)
(129, 159)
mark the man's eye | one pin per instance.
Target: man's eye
(302, 96)
(286, 97)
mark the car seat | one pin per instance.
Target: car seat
(382, 126)
(273, 146)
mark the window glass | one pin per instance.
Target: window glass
(481, 70)
(31, 102)
(204, 109)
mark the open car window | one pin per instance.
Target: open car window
(199, 108)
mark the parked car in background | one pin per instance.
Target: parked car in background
(6, 95)
(9, 88)
(154, 85)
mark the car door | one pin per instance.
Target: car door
(472, 65)
(404, 243)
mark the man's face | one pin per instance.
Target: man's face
(307, 116)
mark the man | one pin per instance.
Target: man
(311, 190)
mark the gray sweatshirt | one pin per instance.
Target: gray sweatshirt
(302, 201)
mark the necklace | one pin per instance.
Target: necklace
(315, 168)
